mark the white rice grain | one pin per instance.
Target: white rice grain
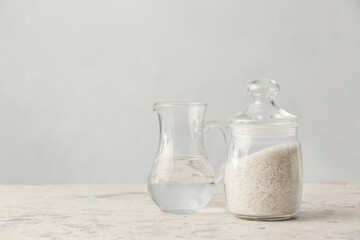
(265, 183)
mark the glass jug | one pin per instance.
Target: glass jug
(263, 175)
(181, 179)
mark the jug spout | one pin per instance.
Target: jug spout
(155, 107)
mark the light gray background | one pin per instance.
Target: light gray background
(78, 79)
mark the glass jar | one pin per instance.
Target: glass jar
(263, 174)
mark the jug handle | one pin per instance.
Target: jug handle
(212, 125)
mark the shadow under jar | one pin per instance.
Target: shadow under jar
(263, 175)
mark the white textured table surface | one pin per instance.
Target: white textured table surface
(328, 211)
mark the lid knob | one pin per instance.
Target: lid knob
(263, 88)
(263, 112)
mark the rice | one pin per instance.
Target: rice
(265, 183)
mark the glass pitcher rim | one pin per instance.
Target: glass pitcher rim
(177, 104)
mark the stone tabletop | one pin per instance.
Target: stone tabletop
(328, 211)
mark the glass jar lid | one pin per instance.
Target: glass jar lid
(263, 112)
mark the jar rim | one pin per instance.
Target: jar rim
(264, 131)
(263, 123)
